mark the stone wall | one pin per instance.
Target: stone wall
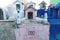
(6, 30)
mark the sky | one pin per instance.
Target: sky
(4, 3)
(54, 1)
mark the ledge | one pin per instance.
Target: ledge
(7, 20)
(54, 21)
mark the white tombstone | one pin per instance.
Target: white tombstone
(16, 11)
(16, 7)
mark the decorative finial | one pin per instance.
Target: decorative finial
(42, 5)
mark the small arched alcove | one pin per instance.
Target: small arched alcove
(1, 14)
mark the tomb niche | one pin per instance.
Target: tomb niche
(1, 14)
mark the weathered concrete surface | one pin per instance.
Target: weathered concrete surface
(41, 31)
(6, 30)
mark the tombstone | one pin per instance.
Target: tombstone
(7, 30)
(53, 14)
(42, 5)
(54, 22)
(41, 11)
(50, 12)
(32, 31)
(30, 13)
(17, 10)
